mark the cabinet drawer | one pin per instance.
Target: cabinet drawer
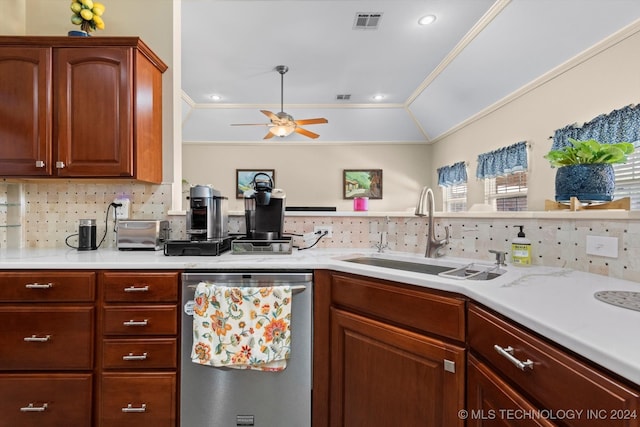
(47, 286)
(140, 287)
(141, 399)
(36, 338)
(425, 311)
(50, 400)
(141, 320)
(153, 353)
(556, 380)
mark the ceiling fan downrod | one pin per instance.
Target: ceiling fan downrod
(282, 69)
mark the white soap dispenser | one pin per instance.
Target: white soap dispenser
(521, 249)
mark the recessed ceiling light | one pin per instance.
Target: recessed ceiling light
(378, 97)
(215, 97)
(427, 19)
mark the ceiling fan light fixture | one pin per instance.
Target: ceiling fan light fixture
(427, 19)
(282, 130)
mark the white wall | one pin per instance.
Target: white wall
(311, 174)
(597, 85)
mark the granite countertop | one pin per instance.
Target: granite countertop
(555, 302)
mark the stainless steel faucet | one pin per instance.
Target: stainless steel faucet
(433, 244)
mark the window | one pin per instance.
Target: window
(507, 192)
(455, 198)
(628, 179)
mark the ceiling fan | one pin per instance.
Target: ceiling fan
(282, 124)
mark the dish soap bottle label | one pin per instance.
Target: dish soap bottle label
(521, 249)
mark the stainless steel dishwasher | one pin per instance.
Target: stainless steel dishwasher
(214, 397)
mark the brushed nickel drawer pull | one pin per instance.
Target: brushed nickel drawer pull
(39, 163)
(60, 165)
(35, 338)
(508, 354)
(134, 288)
(39, 285)
(31, 408)
(132, 356)
(144, 322)
(131, 408)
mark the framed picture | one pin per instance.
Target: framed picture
(244, 177)
(362, 183)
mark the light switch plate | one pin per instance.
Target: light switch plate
(602, 246)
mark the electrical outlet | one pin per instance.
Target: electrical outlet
(319, 229)
(602, 246)
(124, 211)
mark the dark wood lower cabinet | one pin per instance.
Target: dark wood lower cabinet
(382, 375)
(136, 399)
(491, 402)
(45, 400)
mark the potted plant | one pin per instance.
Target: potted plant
(585, 169)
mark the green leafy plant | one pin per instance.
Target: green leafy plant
(589, 152)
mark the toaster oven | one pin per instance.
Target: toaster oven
(142, 234)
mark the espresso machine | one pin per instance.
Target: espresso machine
(264, 208)
(207, 215)
(207, 228)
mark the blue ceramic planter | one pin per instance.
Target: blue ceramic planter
(588, 182)
(75, 33)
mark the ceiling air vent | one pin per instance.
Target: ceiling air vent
(367, 21)
(343, 97)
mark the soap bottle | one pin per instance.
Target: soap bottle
(521, 249)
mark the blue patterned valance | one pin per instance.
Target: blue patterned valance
(504, 161)
(452, 175)
(618, 126)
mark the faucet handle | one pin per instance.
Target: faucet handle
(500, 256)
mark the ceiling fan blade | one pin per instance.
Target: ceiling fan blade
(269, 114)
(311, 121)
(268, 135)
(249, 124)
(306, 133)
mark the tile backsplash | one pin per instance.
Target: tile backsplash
(50, 213)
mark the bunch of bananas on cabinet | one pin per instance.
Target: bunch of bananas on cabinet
(87, 14)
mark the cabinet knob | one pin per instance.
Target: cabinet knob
(131, 408)
(60, 165)
(39, 164)
(32, 408)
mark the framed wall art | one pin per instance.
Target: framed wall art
(244, 177)
(362, 183)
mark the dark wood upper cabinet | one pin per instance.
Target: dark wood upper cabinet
(80, 108)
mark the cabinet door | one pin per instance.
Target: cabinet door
(382, 375)
(492, 402)
(94, 102)
(25, 118)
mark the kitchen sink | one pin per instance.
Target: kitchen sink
(472, 271)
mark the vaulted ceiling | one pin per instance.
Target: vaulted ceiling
(432, 78)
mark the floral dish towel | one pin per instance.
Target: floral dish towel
(242, 327)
